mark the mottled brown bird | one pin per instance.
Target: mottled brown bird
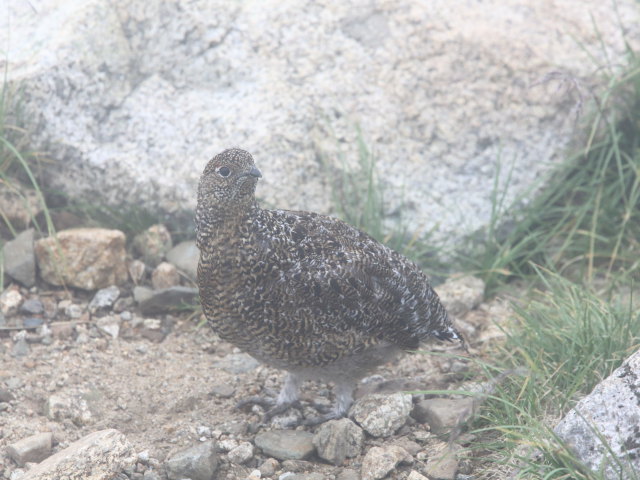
(305, 292)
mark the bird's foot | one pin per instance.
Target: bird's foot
(325, 417)
(270, 405)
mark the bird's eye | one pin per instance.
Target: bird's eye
(224, 171)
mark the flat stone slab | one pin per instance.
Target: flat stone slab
(286, 444)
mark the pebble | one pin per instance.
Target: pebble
(20, 259)
(461, 294)
(241, 454)
(285, 444)
(442, 414)
(75, 408)
(338, 439)
(21, 346)
(31, 449)
(165, 275)
(442, 463)
(381, 415)
(413, 475)
(32, 306)
(72, 310)
(136, 270)
(269, 467)
(32, 322)
(223, 390)
(6, 395)
(109, 325)
(104, 299)
(379, 461)
(348, 474)
(237, 363)
(199, 462)
(160, 301)
(185, 257)
(10, 301)
(153, 244)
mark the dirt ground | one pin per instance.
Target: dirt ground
(168, 393)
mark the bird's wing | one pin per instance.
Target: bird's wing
(335, 278)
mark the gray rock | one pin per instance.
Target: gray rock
(6, 395)
(268, 467)
(63, 406)
(21, 346)
(306, 476)
(610, 413)
(168, 299)
(461, 99)
(20, 258)
(142, 294)
(165, 275)
(285, 444)
(104, 299)
(241, 454)
(98, 456)
(442, 463)
(153, 244)
(461, 294)
(348, 474)
(442, 414)
(413, 475)
(32, 306)
(381, 415)
(154, 329)
(32, 322)
(199, 462)
(338, 439)
(223, 390)
(237, 363)
(379, 461)
(85, 258)
(32, 449)
(185, 257)
(109, 325)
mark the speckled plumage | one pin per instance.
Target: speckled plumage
(304, 292)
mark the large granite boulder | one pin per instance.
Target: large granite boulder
(132, 98)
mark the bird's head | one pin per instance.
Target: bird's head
(227, 188)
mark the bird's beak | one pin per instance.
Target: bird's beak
(254, 172)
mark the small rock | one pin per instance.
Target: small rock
(21, 346)
(20, 259)
(379, 461)
(151, 475)
(348, 474)
(10, 301)
(165, 275)
(442, 414)
(6, 395)
(269, 467)
(86, 258)
(298, 466)
(122, 305)
(168, 299)
(307, 476)
(32, 306)
(75, 408)
(142, 294)
(338, 439)
(409, 445)
(223, 390)
(153, 244)
(185, 257)
(104, 299)
(442, 463)
(461, 294)
(99, 455)
(109, 325)
(237, 363)
(199, 462)
(154, 330)
(136, 270)
(241, 454)
(31, 449)
(32, 322)
(72, 310)
(381, 415)
(285, 444)
(413, 475)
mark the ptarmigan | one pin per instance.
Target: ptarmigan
(305, 292)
